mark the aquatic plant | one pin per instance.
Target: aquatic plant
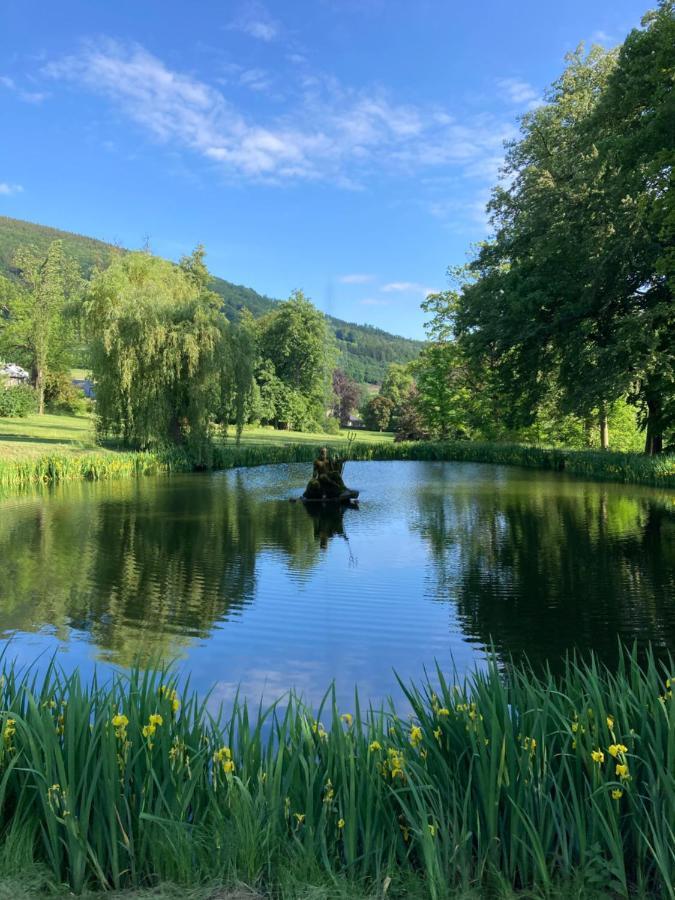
(503, 779)
(628, 468)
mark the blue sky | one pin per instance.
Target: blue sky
(345, 147)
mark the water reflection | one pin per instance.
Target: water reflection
(538, 567)
(254, 589)
(328, 520)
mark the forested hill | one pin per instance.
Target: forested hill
(365, 351)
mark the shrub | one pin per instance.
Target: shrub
(61, 395)
(17, 401)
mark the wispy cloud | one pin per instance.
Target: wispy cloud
(374, 301)
(333, 132)
(519, 92)
(356, 278)
(407, 287)
(255, 21)
(7, 189)
(27, 96)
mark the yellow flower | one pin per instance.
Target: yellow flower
(574, 745)
(172, 696)
(9, 731)
(374, 746)
(598, 756)
(610, 722)
(622, 771)
(120, 721)
(347, 718)
(615, 749)
(437, 733)
(300, 817)
(617, 794)
(156, 719)
(530, 744)
(415, 735)
(228, 765)
(148, 730)
(575, 727)
(341, 823)
(443, 711)
(329, 793)
(432, 830)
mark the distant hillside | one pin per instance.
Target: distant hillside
(365, 351)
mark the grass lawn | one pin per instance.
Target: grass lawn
(266, 436)
(37, 436)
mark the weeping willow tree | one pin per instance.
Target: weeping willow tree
(166, 361)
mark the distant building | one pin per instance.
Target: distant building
(11, 374)
(355, 423)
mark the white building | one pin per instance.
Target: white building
(11, 374)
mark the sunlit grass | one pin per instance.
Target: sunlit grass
(504, 780)
(58, 448)
(34, 436)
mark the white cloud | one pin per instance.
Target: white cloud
(333, 133)
(374, 301)
(6, 189)
(408, 287)
(255, 79)
(26, 96)
(256, 22)
(356, 278)
(602, 37)
(519, 92)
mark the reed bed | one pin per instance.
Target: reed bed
(628, 468)
(501, 781)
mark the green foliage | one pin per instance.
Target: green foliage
(364, 351)
(18, 400)
(377, 413)
(570, 303)
(162, 354)
(510, 778)
(36, 328)
(294, 338)
(61, 395)
(628, 468)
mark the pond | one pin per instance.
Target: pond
(244, 589)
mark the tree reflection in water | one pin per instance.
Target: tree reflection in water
(537, 568)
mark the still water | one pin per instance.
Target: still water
(246, 590)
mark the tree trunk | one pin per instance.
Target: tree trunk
(604, 429)
(40, 390)
(654, 438)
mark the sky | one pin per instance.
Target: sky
(343, 147)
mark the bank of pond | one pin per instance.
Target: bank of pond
(506, 778)
(627, 468)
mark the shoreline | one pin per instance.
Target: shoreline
(595, 465)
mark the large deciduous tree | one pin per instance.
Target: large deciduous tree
(295, 339)
(164, 357)
(37, 325)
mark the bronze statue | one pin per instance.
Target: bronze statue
(326, 482)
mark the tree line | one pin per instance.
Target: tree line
(168, 364)
(566, 315)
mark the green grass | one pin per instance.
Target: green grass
(499, 782)
(36, 436)
(58, 448)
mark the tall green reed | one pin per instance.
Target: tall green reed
(501, 779)
(628, 468)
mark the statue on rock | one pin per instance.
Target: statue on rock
(326, 482)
